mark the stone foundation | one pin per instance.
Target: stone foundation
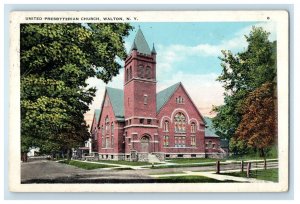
(190, 155)
(160, 155)
(143, 157)
(215, 155)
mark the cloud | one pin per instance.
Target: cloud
(203, 88)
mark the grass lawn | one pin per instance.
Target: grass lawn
(248, 157)
(123, 162)
(192, 160)
(268, 174)
(190, 179)
(85, 165)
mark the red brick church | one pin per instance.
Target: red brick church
(138, 123)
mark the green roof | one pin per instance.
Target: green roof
(224, 143)
(97, 115)
(140, 44)
(116, 97)
(163, 96)
(209, 130)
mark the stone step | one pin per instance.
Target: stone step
(153, 159)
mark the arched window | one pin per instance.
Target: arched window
(106, 124)
(102, 136)
(127, 75)
(102, 129)
(141, 71)
(193, 127)
(179, 100)
(130, 73)
(148, 72)
(180, 122)
(166, 126)
(112, 128)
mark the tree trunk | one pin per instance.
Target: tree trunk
(262, 153)
(24, 157)
(69, 154)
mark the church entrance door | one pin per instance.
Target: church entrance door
(145, 144)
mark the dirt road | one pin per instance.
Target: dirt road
(44, 171)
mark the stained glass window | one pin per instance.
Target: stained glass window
(180, 123)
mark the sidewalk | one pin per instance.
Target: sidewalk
(220, 177)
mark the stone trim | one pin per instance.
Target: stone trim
(197, 123)
(141, 125)
(140, 79)
(186, 153)
(138, 141)
(178, 110)
(162, 120)
(133, 117)
(181, 148)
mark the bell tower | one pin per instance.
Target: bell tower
(141, 130)
(140, 79)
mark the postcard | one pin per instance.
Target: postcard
(149, 101)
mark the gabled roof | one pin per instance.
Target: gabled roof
(97, 115)
(163, 96)
(209, 130)
(116, 97)
(140, 43)
(96, 118)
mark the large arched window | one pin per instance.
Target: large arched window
(180, 122)
(166, 126)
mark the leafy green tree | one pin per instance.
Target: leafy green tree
(242, 73)
(238, 147)
(56, 61)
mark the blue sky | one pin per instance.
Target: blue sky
(188, 52)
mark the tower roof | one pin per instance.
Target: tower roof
(140, 44)
(153, 51)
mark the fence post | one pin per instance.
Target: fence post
(218, 167)
(242, 166)
(248, 169)
(265, 164)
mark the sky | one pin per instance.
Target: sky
(187, 53)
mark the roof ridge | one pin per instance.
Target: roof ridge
(169, 87)
(113, 88)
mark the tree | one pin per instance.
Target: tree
(258, 127)
(56, 61)
(242, 73)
